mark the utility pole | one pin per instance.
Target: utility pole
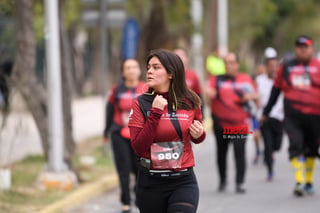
(222, 27)
(57, 175)
(56, 135)
(104, 48)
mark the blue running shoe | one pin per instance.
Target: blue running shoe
(309, 189)
(269, 177)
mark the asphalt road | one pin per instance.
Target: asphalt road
(261, 196)
(20, 138)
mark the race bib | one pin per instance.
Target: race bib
(301, 81)
(125, 118)
(167, 155)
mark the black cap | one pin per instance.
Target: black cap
(304, 40)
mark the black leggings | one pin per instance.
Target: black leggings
(167, 194)
(126, 162)
(304, 134)
(272, 132)
(238, 142)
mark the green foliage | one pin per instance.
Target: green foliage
(6, 25)
(272, 23)
(247, 20)
(26, 171)
(6, 7)
(302, 19)
(7, 40)
(39, 19)
(72, 10)
(138, 9)
(178, 14)
(284, 6)
(23, 191)
(71, 16)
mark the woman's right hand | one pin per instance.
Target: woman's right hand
(159, 102)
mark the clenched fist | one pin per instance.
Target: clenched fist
(196, 129)
(159, 102)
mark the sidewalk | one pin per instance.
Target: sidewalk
(20, 138)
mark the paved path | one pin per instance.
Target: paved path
(261, 196)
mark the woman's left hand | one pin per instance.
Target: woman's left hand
(196, 129)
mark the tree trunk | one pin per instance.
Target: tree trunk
(212, 42)
(23, 75)
(96, 69)
(79, 48)
(155, 32)
(66, 78)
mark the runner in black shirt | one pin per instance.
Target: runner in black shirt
(117, 115)
(299, 79)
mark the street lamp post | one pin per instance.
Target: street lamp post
(197, 40)
(55, 124)
(222, 27)
(57, 175)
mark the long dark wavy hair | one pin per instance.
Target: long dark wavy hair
(180, 96)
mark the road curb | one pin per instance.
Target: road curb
(83, 194)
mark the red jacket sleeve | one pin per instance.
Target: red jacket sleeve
(143, 132)
(278, 80)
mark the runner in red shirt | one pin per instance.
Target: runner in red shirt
(117, 116)
(229, 96)
(163, 122)
(299, 79)
(192, 78)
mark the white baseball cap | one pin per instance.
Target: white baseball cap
(270, 52)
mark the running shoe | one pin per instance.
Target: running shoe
(298, 190)
(240, 189)
(126, 209)
(269, 177)
(256, 159)
(222, 187)
(309, 189)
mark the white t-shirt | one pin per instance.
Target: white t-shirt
(264, 86)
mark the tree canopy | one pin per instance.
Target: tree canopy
(256, 23)
(272, 22)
